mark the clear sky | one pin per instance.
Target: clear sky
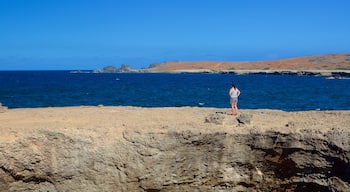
(90, 34)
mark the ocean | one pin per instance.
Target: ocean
(31, 89)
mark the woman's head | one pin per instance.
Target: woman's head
(233, 85)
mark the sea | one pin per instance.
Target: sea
(32, 89)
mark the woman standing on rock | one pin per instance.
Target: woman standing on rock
(234, 93)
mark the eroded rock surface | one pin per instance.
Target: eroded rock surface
(177, 156)
(2, 108)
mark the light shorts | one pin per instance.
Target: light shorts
(233, 99)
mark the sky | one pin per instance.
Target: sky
(91, 34)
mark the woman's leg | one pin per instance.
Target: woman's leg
(232, 108)
(236, 106)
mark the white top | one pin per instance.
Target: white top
(234, 92)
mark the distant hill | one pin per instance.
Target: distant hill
(320, 62)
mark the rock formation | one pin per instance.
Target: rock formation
(2, 108)
(173, 149)
(110, 69)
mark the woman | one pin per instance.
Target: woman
(234, 93)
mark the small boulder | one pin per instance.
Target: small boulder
(220, 118)
(216, 118)
(3, 108)
(244, 119)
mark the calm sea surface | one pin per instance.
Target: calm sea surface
(23, 89)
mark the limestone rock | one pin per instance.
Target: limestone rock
(53, 161)
(216, 118)
(244, 118)
(220, 118)
(95, 158)
(3, 108)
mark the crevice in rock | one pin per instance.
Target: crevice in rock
(11, 173)
(339, 169)
(152, 190)
(22, 178)
(247, 185)
(304, 186)
(37, 180)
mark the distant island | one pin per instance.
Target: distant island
(333, 65)
(111, 69)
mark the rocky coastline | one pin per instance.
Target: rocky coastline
(173, 149)
(324, 73)
(329, 65)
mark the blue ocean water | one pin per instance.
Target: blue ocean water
(23, 89)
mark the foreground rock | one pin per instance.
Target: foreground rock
(173, 149)
(2, 108)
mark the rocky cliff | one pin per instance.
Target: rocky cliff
(173, 149)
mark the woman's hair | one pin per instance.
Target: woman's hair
(233, 85)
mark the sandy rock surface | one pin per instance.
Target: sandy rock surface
(173, 149)
(97, 121)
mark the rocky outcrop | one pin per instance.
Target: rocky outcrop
(179, 161)
(326, 73)
(2, 108)
(186, 159)
(110, 69)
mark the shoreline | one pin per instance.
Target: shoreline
(324, 73)
(4, 109)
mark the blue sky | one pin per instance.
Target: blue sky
(90, 34)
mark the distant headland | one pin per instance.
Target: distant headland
(332, 65)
